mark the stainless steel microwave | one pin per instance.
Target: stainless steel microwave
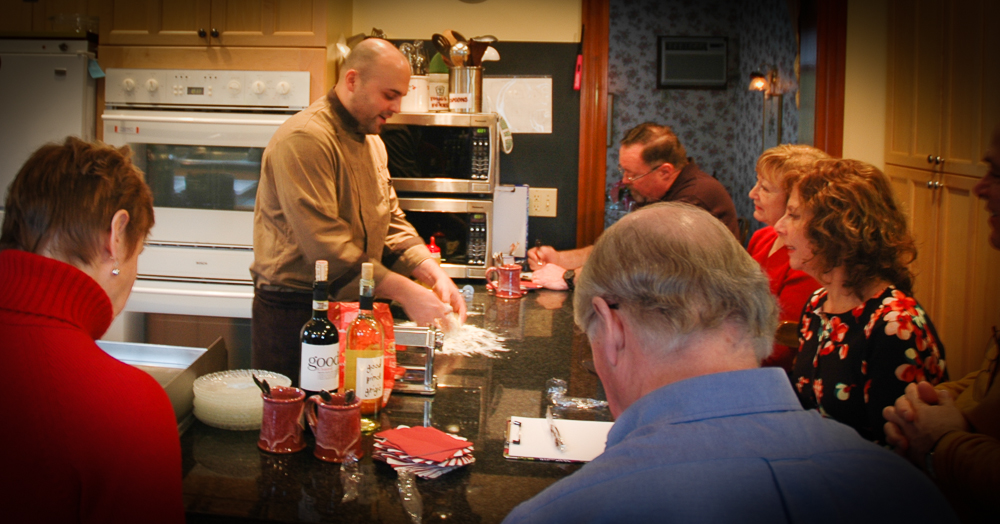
(461, 228)
(443, 152)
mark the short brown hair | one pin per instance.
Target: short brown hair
(660, 144)
(856, 223)
(785, 163)
(64, 197)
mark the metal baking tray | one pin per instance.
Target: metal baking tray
(174, 367)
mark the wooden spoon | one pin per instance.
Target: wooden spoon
(454, 36)
(443, 47)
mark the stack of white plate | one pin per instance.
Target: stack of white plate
(231, 400)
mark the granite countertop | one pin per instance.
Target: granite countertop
(227, 478)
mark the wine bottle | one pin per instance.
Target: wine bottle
(319, 367)
(364, 357)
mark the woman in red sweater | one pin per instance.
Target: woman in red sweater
(778, 169)
(86, 437)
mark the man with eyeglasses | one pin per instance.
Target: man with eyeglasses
(654, 166)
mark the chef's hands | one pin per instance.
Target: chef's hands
(919, 418)
(423, 306)
(430, 273)
(550, 276)
(540, 256)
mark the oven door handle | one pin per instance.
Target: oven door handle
(187, 120)
(191, 293)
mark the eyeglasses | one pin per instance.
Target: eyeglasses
(629, 179)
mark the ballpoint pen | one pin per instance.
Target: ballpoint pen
(538, 244)
(555, 431)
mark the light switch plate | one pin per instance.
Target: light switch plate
(542, 201)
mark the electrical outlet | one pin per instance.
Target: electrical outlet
(542, 201)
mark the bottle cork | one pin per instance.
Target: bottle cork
(322, 270)
(367, 271)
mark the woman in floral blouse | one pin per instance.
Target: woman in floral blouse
(862, 336)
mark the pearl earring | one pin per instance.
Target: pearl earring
(116, 271)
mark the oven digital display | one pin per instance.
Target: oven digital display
(196, 90)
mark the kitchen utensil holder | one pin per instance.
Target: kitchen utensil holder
(465, 89)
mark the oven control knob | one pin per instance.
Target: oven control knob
(152, 85)
(234, 86)
(128, 85)
(257, 87)
(283, 88)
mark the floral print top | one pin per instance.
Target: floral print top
(853, 364)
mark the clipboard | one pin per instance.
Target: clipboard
(528, 438)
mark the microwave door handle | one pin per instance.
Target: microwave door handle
(188, 120)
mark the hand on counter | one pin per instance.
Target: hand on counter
(550, 276)
(539, 257)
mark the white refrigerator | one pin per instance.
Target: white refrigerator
(46, 94)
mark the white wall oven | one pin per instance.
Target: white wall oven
(199, 136)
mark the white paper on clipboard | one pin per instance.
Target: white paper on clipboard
(530, 439)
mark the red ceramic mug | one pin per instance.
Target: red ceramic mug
(281, 426)
(508, 283)
(337, 427)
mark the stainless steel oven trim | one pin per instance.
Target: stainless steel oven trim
(441, 185)
(445, 119)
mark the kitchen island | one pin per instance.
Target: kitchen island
(226, 478)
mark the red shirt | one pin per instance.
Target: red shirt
(86, 438)
(792, 287)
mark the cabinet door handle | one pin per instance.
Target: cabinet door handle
(938, 160)
(203, 34)
(930, 158)
(215, 34)
(938, 185)
(930, 184)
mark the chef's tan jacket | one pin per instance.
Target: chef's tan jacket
(325, 194)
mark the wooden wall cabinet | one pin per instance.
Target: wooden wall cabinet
(19, 16)
(244, 23)
(944, 65)
(956, 280)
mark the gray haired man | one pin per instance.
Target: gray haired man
(679, 317)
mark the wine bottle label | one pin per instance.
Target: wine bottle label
(321, 305)
(369, 377)
(320, 367)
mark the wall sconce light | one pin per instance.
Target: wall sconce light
(758, 82)
(768, 85)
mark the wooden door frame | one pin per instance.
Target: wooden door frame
(831, 58)
(593, 159)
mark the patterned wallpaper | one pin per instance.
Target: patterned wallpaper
(721, 128)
